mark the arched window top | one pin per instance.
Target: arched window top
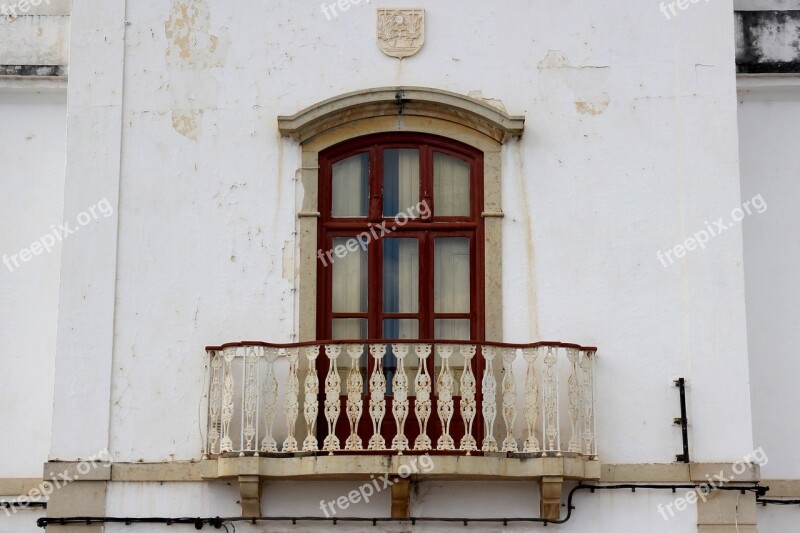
(401, 237)
(401, 101)
(389, 173)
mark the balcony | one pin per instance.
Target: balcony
(481, 410)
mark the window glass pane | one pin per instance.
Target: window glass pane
(453, 329)
(450, 186)
(400, 181)
(349, 328)
(349, 278)
(400, 275)
(351, 186)
(400, 328)
(451, 275)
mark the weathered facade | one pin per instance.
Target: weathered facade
(204, 318)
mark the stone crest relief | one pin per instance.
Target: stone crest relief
(401, 32)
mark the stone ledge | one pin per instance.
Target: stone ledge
(782, 488)
(18, 486)
(347, 467)
(676, 473)
(445, 467)
(72, 470)
(177, 471)
(701, 472)
(645, 473)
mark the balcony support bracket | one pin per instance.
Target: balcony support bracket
(401, 496)
(550, 488)
(250, 496)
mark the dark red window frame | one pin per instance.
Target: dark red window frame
(425, 230)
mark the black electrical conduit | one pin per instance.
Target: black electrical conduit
(218, 522)
(773, 501)
(10, 504)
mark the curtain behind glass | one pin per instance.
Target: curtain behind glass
(451, 185)
(351, 186)
(400, 180)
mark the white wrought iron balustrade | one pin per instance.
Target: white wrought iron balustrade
(536, 398)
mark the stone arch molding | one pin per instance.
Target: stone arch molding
(400, 102)
(413, 109)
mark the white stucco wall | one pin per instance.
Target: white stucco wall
(770, 161)
(23, 521)
(32, 140)
(769, 112)
(628, 512)
(630, 147)
(618, 162)
(777, 519)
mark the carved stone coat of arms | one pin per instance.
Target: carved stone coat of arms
(401, 32)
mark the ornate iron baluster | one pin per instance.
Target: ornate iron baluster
(355, 388)
(310, 405)
(400, 399)
(509, 399)
(422, 406)
(489, 408)
(214, 398)
(250, 398)
(332, 408)
(226, 444)
(550, 400)
(377, 397)
(468, 405)
(531, 443)
(269, 444)
(574, 400)
(292, 401)
(444, 399)
(587, 395)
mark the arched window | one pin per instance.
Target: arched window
(400, 230)
(400, 239)
(401, 248)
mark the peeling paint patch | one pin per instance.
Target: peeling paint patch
(559, 78)
(593, 108)
(554, 59)
(187, 122)
(191, 45)
(191, 51)
(478, 95)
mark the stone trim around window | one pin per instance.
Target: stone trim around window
(435, 112)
